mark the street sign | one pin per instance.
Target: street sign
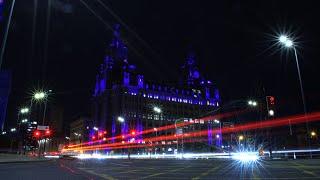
(227, 124)
(179, 131)
(42, 128)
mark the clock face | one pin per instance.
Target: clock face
(196, 74)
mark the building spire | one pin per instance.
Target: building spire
(191, 73)
(117, 47)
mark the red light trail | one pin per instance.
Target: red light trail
(246, 127)
(158, 129)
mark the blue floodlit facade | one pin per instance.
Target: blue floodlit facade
(121, 91)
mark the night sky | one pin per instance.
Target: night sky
(233, 41)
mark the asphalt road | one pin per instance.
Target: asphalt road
(161, 169)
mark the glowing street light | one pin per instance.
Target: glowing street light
(39, 95)
(271, 112)
(313, 133)
(283, 39)
(120, 119)
(288, 43)
(95, 128)
(252, 103)
(157, 109)
(24, 110)
(241, 137)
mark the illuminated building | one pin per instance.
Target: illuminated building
(121, 91)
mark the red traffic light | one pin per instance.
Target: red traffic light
(37, 134)
(48, 132)
(270, 100)
(104, 132)
(93, 137)
(100, 134)
(133, 132)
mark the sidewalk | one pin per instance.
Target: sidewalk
(15, 158)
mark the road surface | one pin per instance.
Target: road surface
(161, 169)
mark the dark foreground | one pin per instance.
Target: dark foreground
(161, 169)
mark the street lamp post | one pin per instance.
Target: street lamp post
(121, 120)
(240, 138)
(158, 111)
(182, 143)
(40, 96)
(156, 131)
(219, 136)
(288, 43)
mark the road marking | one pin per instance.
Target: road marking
(104, 176)
(125, 165)
(206, 173)
(129, 171)
(157, 174)
(303, 169)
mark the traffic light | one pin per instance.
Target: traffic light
(270, 105)
(48, 132)
(133, 133)
(270, 100)
(37, 134)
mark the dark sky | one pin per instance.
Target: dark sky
(231, 38)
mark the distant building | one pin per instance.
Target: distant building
(5, 86)
(122, 92)
(79, 129)
(55, 119)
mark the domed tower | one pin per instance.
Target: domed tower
(191, 74)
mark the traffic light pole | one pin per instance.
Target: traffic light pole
(39, 148)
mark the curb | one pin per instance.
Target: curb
(9, 162)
